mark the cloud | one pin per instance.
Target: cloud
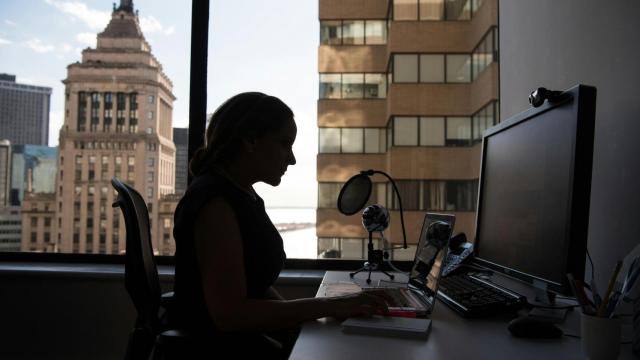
(87, 38)
(150, 24)
(4, 41)
(10, 23)
(95, 19)
(38, 46)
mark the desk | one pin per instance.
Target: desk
(451, 337)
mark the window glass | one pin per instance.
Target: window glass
(375, 86)
(352, 248)
(458, 9)
(353, 32)
(352, 86)
(458, 131)
(329, 86)
(409, 191)
(432, 131)
(376, 32)
(405, 131)
(331, 32)
(432, 68)
(405, 68)
(328, 194)
(431, 9)
(329, 140)
(374, 140)
(405, 9)
(352, 140)
(458, 68)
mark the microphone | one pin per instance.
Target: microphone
(356, 192)
(375, 218)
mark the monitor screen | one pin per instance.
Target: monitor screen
(534, 191)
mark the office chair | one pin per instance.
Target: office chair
(141, 277)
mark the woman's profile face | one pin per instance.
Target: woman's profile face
(273, 153)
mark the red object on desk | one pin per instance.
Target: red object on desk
(401, 313)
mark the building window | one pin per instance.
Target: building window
(150, 115)
(353, 86)
(432, 131)
(352, 140)
(353, 32)
(405, 68)
(432, 68)
(151, 99)
(458, 131)
(458, 68)
(149, 192)
(434, 10)
(34, 222)
(405, 131)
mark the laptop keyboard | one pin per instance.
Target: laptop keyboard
(473, 297)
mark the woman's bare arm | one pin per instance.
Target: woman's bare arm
(220, 258)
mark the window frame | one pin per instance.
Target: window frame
(197, 122)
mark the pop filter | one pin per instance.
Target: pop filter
(354, 194)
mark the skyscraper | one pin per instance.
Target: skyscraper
(118, 122)
(24, 112)
(33, 169)
(406, 87)
(181, 139)
(5, 172)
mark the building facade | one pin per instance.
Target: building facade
(118, 123)
(181, 139)
(10, 228)
(406, 87)
(33, 169)
(5, 172)
(24, 112)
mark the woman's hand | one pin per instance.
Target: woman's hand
(358, 304)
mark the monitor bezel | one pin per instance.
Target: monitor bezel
(583, 100)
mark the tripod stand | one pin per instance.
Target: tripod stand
(375, 261)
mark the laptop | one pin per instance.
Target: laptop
(419, 294)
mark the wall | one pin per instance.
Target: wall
(83, 312)
(557, 44)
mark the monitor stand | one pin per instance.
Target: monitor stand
(546, 298)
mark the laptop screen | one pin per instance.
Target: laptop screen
(431, 252)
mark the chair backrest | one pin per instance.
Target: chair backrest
(141, 274)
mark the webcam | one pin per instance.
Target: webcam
(539, 95)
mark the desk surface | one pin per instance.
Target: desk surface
(451, 337)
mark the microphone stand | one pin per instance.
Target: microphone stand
(375, 261)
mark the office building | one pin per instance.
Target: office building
(24, 112)
(10, 228)
(33, 169)
(181, 139)
(5, 172)
(118, 122)
(406, 87)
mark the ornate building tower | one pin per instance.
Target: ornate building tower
(118, 122)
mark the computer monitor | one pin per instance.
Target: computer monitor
(534, 190)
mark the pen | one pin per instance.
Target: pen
(605, 301)
(578, 291)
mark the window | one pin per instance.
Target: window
(329, 140)
(151, 99)
(405, 9)
(431, 9)
(330, 86)
(405, 68)
(331, 32)
(458, 131)
(432, 131)
(458, 68)
(405, 131)
(150, 115)
(432, 68)
(352, 140)
(353, 32)
(353, 86)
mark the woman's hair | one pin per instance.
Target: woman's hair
(248, 115)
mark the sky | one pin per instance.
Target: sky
(254, 45)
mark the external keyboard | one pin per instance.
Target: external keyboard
(474, 297)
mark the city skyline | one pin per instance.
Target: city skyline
(39, 44)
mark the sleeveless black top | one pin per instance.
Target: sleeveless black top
(262, 247)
